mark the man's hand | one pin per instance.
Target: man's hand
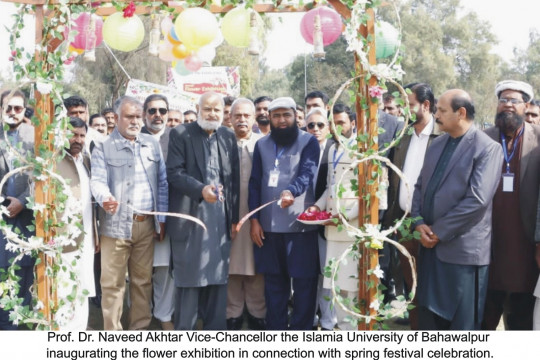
(313, 208)
(159, 237)
(287, 199)
(256, 232)
(14, 207)
(537, 256)
(427, 238)
(210, 195)
(110, 205)
(233, 231)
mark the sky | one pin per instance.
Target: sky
(510, 22)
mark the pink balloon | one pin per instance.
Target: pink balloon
(80, 25)
(165, 51)
(192, 62)
(166, 25)
(331, 25)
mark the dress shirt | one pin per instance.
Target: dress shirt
(414, 161)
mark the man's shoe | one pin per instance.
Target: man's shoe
(235, 323)
(256, 323)
(167, 325)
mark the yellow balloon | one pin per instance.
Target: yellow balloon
(196, 27)
(235, 26)
(124, 34)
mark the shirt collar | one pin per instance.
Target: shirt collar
(429, 127)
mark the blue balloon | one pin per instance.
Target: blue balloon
(181, 69)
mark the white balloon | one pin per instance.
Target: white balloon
(217, 40)
(207, 54)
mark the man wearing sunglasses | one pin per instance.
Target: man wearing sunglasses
(156, 114)
(514, 271)
(15, 191)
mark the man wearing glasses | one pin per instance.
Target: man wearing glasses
(156, 114)
(513, 272)
(15, 191)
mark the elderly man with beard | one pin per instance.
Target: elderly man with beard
(203, 173)
(284, 167)
(261, 115)
(128, 182)
(514, 270)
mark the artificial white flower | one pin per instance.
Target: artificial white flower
(44, 87)
(378, 272)
(375, 304)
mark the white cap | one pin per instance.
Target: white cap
(516, 86)
(282, 102)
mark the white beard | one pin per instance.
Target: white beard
(208, 125)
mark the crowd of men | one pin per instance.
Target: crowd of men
(139, 168)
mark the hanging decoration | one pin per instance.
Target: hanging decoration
(180, 68)
(81, 25)
(386, 40)
(123, 34)
(165, 51)
(180, 51)
(207, 54)
(254, 46)
(318, 47)
(155, 36)
(331, 25)
(196, 27)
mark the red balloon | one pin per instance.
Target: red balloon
(80, 25)
(331, 25)
(192, 62)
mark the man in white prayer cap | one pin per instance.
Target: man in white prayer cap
(515, 259)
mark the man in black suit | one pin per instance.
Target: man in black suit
(156, 112)
(15, 191)
(203, 175)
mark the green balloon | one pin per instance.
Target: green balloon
(386, 40)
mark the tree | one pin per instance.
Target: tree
(307, 74)
(448, 51)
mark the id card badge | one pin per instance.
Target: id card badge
(508, 182)
(273, 179)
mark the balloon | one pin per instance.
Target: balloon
(81, 23)
(207, 54)
(165, 51)
(331, 25)
(166, 25)
(193, 62)
(180, 68)
(386, 40)
(217, 40)
(196, 27)
(180, 51)
(124, 34)
(172, 37)
(235, 26)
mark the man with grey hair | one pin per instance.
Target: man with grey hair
(203, 174)
(129, 182)
(246, 287)
(514, 270)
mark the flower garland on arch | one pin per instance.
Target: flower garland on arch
(370, 235)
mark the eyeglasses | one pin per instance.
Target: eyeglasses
(162, 111)
(312, 125)
(503, 101)
(534, 115)
(17, 108)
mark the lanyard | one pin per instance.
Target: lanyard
(278, 156)
(505, 151)
(336, 161)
